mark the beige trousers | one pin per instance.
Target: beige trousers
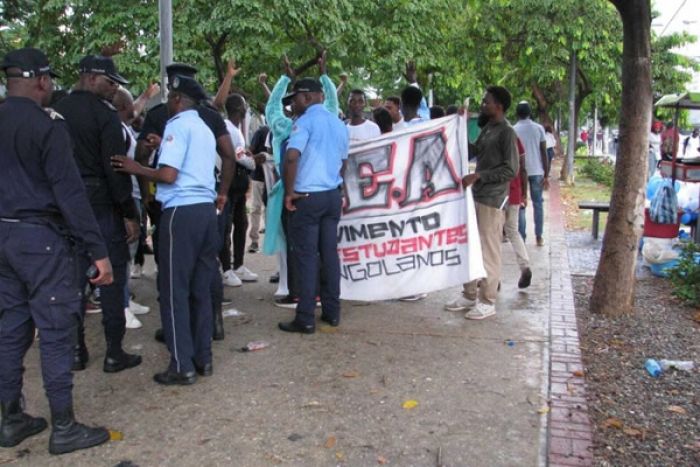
(490, 221)
(516, 241)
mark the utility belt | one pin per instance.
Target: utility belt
(56, 223)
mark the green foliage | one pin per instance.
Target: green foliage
(459, 47)
(685, 277)
(601, 171)
(581, 149)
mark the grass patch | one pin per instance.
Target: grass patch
(585, 189)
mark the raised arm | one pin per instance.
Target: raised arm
(225, 88)
(330, 94)
(140, 103)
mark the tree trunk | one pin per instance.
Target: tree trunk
(542, 105)
(613, 287)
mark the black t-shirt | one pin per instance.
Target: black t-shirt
(158, 117)
(257, 145)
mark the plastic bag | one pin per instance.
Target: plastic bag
(659, 250)
(664, 205)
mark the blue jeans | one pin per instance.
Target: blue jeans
(536, 189)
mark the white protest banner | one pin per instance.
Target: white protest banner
(407, 226)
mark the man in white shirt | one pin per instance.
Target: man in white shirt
(691, 145)
(393, 105)
(237, 217)
(359, 128)
(532, 136)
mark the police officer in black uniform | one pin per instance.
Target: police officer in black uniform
(149, 140)
(44, 213)
(97, 135)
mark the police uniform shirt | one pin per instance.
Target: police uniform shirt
(189, 146)
(39, 179)
(97, 136)
(322, 140)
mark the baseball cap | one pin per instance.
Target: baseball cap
(32, 62)
(523, 109)
(101, 65)
(303, 85)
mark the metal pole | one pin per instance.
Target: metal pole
(595, 128)
(571, 146)
(165, 23)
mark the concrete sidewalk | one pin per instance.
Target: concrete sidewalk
(333, 398)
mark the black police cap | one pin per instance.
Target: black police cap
(181, 69)
(189, 87)
(303, 85)
(101, 65)
(32, 63)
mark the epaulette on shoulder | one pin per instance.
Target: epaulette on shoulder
(53, 115)
(172, 119)
(108, 104)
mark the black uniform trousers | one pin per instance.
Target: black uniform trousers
(313, 233)
(188, 241)
(39, 287)
(236, 223)
(112, 296)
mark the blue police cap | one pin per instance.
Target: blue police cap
(32, 63)
(189, 87)
(181, 69)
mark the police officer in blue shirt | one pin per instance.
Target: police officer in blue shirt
(150, 139)
(44, 213)
(313, 163)
(97, 135)
(189, 239)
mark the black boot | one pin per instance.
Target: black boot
(17, 425)
(218, 334)
(80, 351)
(67, 435)
(117, 360)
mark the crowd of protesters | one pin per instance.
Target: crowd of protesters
(92, 181)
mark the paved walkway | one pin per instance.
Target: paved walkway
(336, 397)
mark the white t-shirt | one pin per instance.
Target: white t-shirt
(401, 124)
(366, 130)
(531, 134)
(691, 150)
(551, 140)
(128, 134)
(238, 142)
(655, 145)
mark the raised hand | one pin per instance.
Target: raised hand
(288, 70)
(231, 69)
(411, 74)
(322, 62)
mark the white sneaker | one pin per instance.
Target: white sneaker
(137, 308)
(460, 303)
(132, 322)
(413, 298)
(246, 275)
(481, 311)
(136, 271)
(231, 279)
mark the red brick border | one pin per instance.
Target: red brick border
(569, 433)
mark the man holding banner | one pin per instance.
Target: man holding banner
(496, 165)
